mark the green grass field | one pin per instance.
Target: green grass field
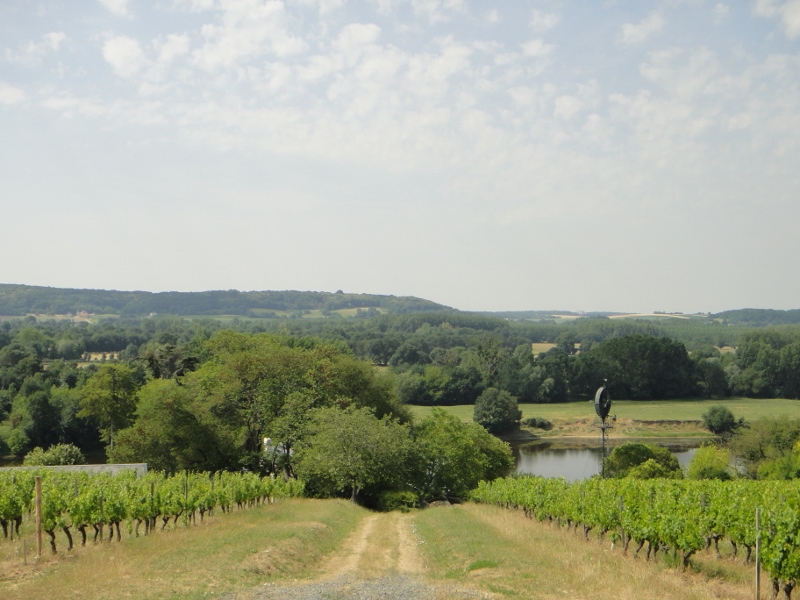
(653, 410)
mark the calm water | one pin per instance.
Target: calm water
(573, 463)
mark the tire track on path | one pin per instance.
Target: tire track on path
(379, 560)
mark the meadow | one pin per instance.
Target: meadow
(638, 418)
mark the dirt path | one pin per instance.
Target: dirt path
(383, 543)
(380, 559)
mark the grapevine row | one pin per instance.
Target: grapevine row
(79, 501)
(680, 515)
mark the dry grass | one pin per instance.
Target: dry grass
(457, 548)
(539, 347)
(503, 552)
(227, 553)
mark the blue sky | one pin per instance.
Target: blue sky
(490, 156)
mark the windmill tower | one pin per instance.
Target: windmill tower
(602, 406)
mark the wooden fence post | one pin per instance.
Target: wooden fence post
(38, 517)
(758, 553)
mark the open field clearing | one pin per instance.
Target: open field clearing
(539, 347)
(638, 418)
(304, 549)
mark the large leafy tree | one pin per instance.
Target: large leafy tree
(497, 411)
(647, 367)
(110, 397)
(452, 457)
(173, 432)
(252, 387)
(350, 450)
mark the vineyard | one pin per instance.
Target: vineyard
(681, 517)
(77, 502)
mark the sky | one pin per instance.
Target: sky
(518, 155)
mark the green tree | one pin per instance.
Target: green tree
(790, 371)
(719, 420)
(647, 367)
(110, 397)
(251, 387)
(451, 457)
(497, 411)
(173, 431)
(625, 458)
(43, 424)
(763, 441)
(348, 451)
(710, 462)
(712, 379)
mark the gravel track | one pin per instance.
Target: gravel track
(396, 587)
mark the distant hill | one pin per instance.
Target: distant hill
(759, 317)
(18, 300)
(530, 315)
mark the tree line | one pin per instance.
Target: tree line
(24, 299)
(263, 403)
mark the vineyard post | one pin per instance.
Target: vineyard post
(38, 517)
(151, 516)
(758, 553)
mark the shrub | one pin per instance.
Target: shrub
(18, 442)
(402, 500)
(625, 458)
(538, 423)
(709, 462)
(60, 454)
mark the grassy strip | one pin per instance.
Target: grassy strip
(501, 551)
(652, 410)
(227, 553)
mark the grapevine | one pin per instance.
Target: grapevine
(680, 516)
(77, 501)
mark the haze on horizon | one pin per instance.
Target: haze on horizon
(553, 154)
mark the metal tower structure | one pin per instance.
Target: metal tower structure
(602, 406)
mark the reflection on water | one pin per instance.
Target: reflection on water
(573, 463)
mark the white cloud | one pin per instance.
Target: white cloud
(721, 11)
(194, 5)
(10, 94)
(636, 33)
(567, 106)
(788, 12)
(543, 21)
(492, 16)
(125, 55)
(692, 78)
(537, 48)
(172, 47)
(248, 29)
(116, 7)
(34, 51)
(437, 10)
(325, 7)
